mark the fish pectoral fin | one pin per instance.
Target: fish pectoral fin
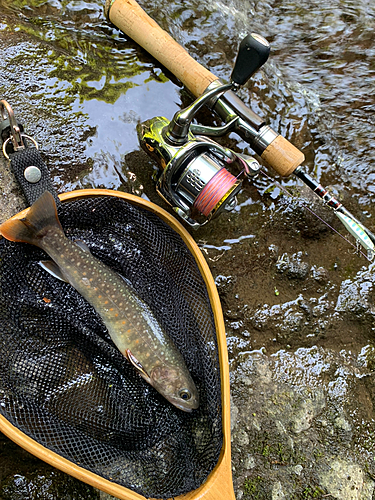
(52, 268)
(82, 245)
(137, 365)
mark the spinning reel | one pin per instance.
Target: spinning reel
(194, 177)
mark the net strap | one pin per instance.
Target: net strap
(26, 162)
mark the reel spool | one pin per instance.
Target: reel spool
(195, 179)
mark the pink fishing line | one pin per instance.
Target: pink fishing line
(214, 191)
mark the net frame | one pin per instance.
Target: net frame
(222, 469)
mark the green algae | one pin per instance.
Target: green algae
(255, 488)
(313, 492)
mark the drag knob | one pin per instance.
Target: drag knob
(253, 53)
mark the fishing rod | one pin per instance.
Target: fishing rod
(194, 177)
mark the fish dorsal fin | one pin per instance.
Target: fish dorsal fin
(52, 268)
(82, 245)
(137, 365)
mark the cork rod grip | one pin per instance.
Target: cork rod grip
(134, 22)
(282, 156)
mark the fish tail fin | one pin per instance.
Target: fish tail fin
(41, 216)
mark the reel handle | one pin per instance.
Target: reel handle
(130, 18)
(252, 54)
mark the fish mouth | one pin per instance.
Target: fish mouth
(188, 408)
(183, 408)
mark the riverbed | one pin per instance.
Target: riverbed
(297, 297)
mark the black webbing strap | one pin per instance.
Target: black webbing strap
(25, 162)
(32, 174)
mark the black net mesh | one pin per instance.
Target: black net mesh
(65, 384)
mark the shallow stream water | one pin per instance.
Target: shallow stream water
(296, 297)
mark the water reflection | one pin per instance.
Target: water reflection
(80, 88)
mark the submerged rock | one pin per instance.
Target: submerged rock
(292, 321)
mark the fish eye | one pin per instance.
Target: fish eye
(185, 394)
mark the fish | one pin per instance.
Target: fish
(130, 322)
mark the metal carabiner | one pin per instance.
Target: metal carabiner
(15, 132)
(6, 113)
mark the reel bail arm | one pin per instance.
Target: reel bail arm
(195, 179)
(252, 54)
(178, 129)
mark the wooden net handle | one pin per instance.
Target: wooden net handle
(134, 22)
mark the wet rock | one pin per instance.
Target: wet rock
(293, 267)
(299, 410)
(277, 492)
(320, 274)
(343, 479)
(225, 284)
(367, 357)
(284, 317)
(303, 213)
(290, 321)
(356, 297)
(309, 407)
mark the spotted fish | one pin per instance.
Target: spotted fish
(130, 322)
